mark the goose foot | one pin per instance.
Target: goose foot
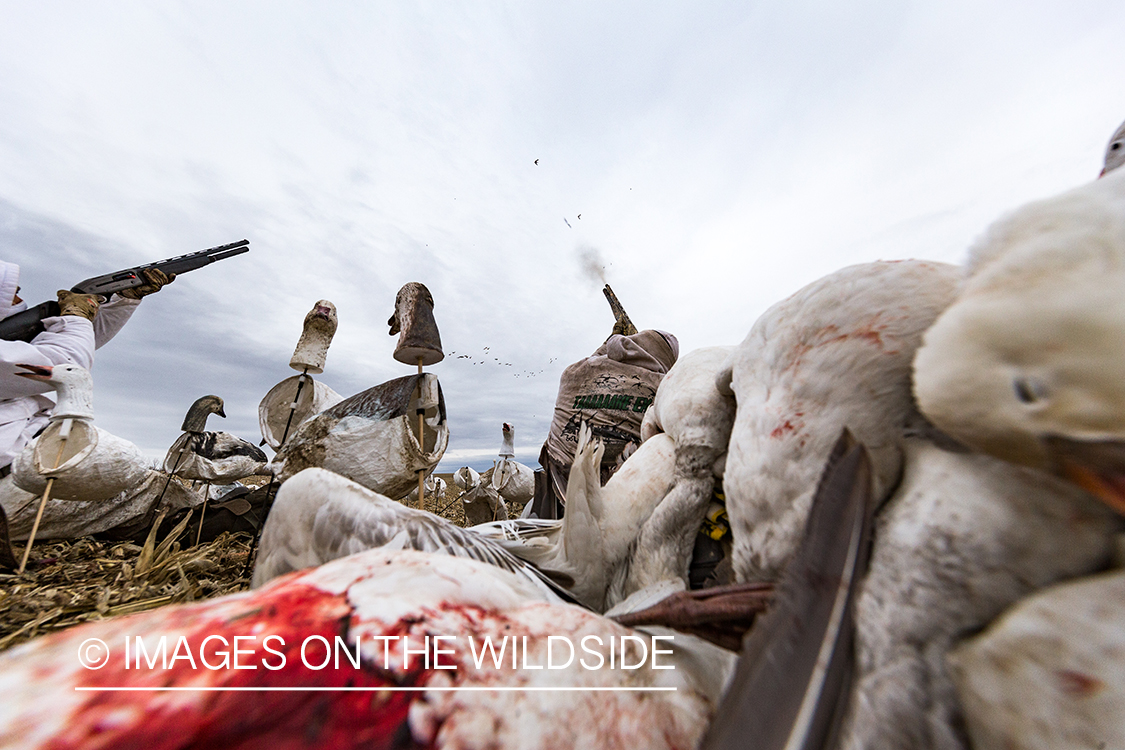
(720, 614)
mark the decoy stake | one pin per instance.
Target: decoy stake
(64, 433)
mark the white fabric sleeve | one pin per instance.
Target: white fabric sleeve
(68, 339)
(111, 316)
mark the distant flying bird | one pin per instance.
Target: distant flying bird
(537, 162)
(579, 216)
(567, 222)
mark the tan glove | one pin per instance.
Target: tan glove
(155, 279)
(82, 305)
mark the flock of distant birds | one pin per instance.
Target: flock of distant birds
(496, 360)
(982, 410)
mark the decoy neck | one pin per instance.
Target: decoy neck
(196, 418)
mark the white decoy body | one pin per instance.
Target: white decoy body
(370, 596)
(101, 480)
(482, 503)
(372, 437)
(466, 478)
(206, 456)
(835, 354)
(434, 487)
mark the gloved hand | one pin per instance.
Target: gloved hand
(82, 305)
(155, 279)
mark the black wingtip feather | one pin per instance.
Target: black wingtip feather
(791, 684)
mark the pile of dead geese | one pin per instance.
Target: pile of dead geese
(922, 472)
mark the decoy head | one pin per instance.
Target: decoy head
(413, 320)
(41, 373)
(316, 336)
(66, 374)
(196, 418)
(323, 317)
(73, 384)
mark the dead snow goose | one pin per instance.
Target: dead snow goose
(961, 538)
(320, 516)
(368, 598)
(835, 354)
(1115, 151)
(1026, 364)
(1050, 673)
(591, 544)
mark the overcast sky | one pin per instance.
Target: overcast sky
(721, 156)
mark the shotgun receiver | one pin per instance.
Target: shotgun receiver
(28, 324)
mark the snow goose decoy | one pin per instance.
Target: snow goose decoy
(466, 478)
(377, 599)
(512, 480)
(100, 481)
(297, 398)
(88, 463)
(435, 490)
(213, 457)
(372, 437)
(508, 481)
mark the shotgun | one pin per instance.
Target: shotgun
(26, 325)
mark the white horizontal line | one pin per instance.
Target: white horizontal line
(367, 689)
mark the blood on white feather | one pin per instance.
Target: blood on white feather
(377, 593)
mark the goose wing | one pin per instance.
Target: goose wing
(320, 516)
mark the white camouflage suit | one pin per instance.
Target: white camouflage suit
(24, 407)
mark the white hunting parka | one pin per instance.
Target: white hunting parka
(26, 405)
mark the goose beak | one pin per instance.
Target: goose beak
(1097, 466)
(36, 372)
